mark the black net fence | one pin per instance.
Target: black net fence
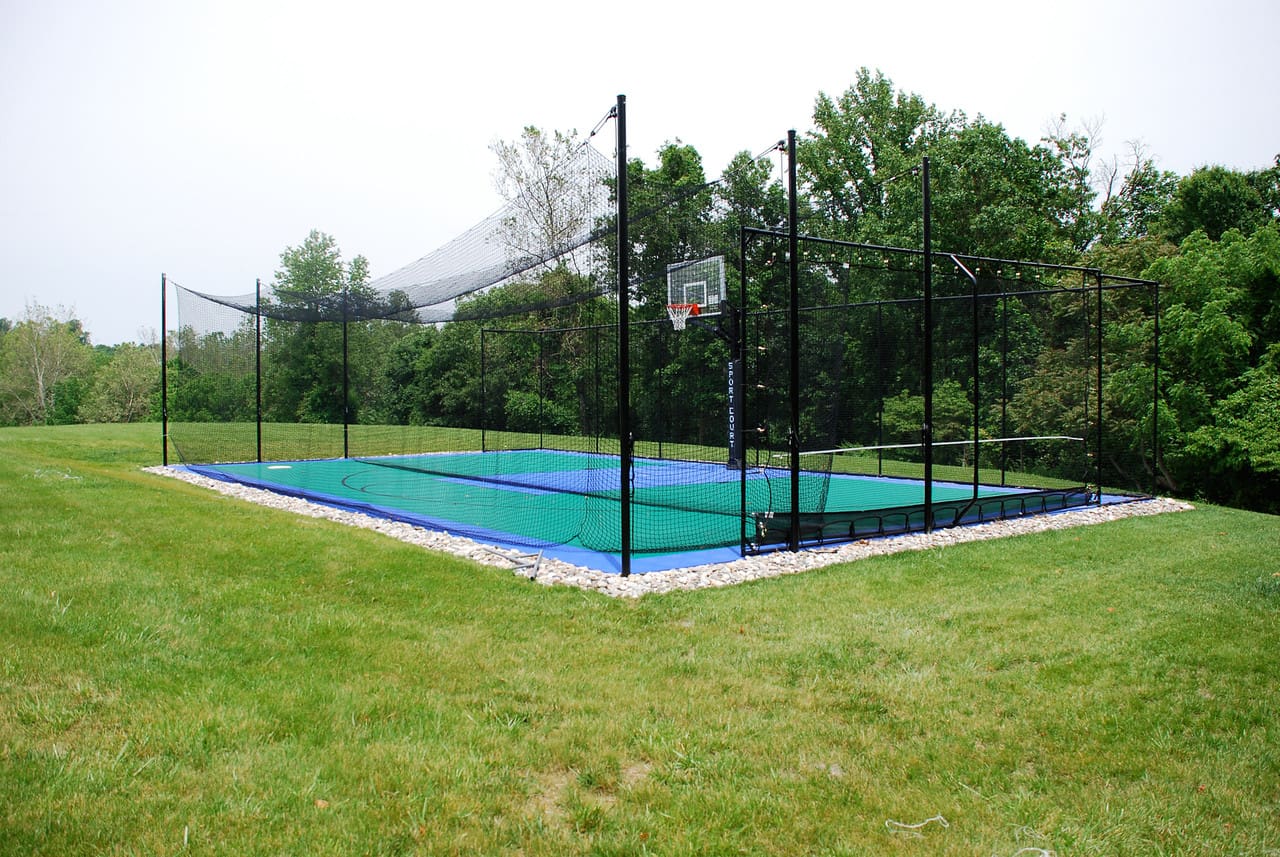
(1038, 380)
(744, 429)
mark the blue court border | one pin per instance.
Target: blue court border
(608, 563)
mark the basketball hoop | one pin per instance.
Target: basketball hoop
(679, 314)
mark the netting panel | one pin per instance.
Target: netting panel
(495, 346)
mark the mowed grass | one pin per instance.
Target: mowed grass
(182, 673)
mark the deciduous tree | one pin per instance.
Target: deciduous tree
(864, 138)
(1132, 210)
(124, 387)
(315, 294)
(39, 357)
(1214, 200)
(553, 183)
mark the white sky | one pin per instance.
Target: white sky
(201, 138)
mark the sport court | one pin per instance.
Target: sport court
(565, 504)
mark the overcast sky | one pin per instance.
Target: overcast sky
(200, 139)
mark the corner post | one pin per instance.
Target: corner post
(164, 371)
(741, 335)
(624, 339)
(793, 276)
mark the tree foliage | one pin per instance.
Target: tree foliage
(862, 140)
(552, 192)
(997, 196)
(1131, 212)
(45, 367)
(1235, 457)
(211, 375)
(676, 225)
(303, 359)
(1219, 334)
(124, 388)
(1215, 200)
(952, 420)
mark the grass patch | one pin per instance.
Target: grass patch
(184, 673)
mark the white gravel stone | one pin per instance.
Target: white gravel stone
(553, 572)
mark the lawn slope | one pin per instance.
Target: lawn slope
(185, 673)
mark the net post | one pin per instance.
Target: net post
(977, 391)
(164, 370)
(1004, 383)
(542, 388)
(880, 385)
(973, 367)
(346, 381)
(484, 404)
(624, 339)
(793, 275)
(1097, 453)
(597, 414)
(1155, 391)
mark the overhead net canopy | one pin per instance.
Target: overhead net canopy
(526, 234)
(523, 235)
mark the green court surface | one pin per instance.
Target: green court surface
(566, 503)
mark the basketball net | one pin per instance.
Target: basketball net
(679, 314)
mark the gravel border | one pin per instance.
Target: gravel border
(551, 572)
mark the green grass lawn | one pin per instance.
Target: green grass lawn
(185, 673)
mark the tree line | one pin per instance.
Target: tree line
(51, 374)
(1212, 238)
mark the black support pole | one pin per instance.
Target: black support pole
(880, 387)
(926, 430)
(977, 392)
(742, 356)
(624, 338)
(793, 276)
(346, 383)
(597, 409)
(484, 399)
(257, 355)
(1097, 453)
(1155, 396)
(977, 386)
(164, 371)
(973, 368)
(1004, 385)
(542, 388)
